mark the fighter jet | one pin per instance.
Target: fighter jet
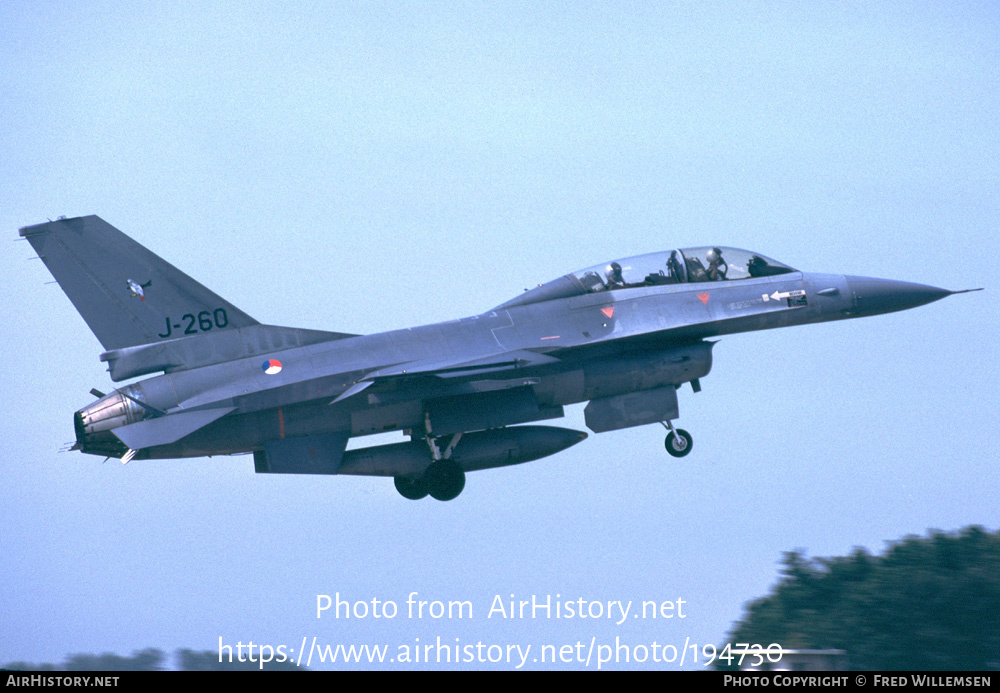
(623, 336)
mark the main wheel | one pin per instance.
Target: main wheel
(444, 479)
(678, 445)
(414, 489)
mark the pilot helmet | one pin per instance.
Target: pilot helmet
(613, 272)
(714, 256)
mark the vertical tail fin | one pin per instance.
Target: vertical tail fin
(126, 294)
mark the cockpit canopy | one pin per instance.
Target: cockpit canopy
(688, 265)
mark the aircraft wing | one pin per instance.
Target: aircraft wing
(455, 368)
(502, 363)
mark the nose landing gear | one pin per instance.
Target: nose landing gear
(678, 442)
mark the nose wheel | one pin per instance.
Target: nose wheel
(678, 442)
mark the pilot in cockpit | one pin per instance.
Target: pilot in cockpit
(717, 269)
(614, 276)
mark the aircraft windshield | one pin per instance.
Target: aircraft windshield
(688, 265)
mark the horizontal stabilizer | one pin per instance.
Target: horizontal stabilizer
(164, 430)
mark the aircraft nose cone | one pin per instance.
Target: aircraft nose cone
(873, 296)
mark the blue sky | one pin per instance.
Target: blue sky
(362, 167)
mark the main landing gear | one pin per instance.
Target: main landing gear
(443, 479)
(678, 442)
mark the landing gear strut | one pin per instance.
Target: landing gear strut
(678, 442)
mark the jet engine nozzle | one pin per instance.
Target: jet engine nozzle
(94, 424)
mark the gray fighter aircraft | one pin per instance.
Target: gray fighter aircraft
(623, 336)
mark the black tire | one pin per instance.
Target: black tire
(413, 489)
(444, 479)
(678, 446)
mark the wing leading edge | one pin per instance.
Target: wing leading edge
(502, 363)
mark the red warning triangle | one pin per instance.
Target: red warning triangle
(608, 311)
(703, 298)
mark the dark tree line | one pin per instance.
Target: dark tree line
(927, 603)
(152, 660)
